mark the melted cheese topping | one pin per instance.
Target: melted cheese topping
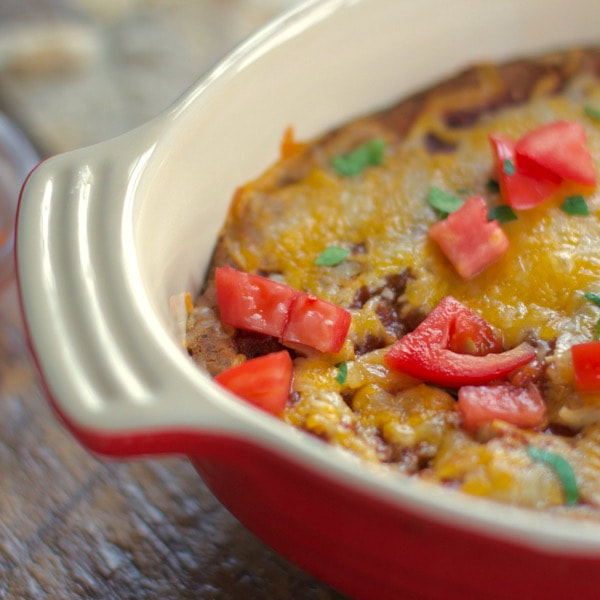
(536, 286)
(382, 217)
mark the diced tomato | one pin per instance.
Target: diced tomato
(521, 406)
(522, 189)
(316, 323)
(528, 168)
(540, 161)
(261, 305)
(586, 364)
(253, 302)
(468, 239)
(450, 369)
(426, 355)
(471, 334)
(559, 148)
(264, 381)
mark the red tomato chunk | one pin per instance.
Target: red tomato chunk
(586, 364)
(471, 334)
(262, 305)
(264, 381)
(521, 406)
(425, 354)
(520, 189)
(252, 302)
(316, 323)
(468, 239)
(557, 148)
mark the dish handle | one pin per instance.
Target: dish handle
(109, 368)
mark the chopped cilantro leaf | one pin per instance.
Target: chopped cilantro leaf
(562, 468)
(331, 256)
(463, 191)
(595, 298)
(502, 213)
(342, 372)
(493, 186)
(508, 167)
(575, 205)
(364, 156)
(443, 201)
(593, 113)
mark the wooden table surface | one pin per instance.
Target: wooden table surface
(72, 526)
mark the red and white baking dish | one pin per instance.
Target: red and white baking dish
(107, 235)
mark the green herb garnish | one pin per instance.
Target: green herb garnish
(593, 113)
(508, 167)
(595, 298)
(592, 298)
(463, 191)
(443, 201)
(331, 256)
(492, 185)
(342, 372)
(502, 213)
(562, 468)
(575, 205)
(354, 162)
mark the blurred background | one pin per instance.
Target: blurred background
(72, 73)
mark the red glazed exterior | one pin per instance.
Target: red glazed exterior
(369, 549)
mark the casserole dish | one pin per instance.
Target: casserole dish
(108, 236)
